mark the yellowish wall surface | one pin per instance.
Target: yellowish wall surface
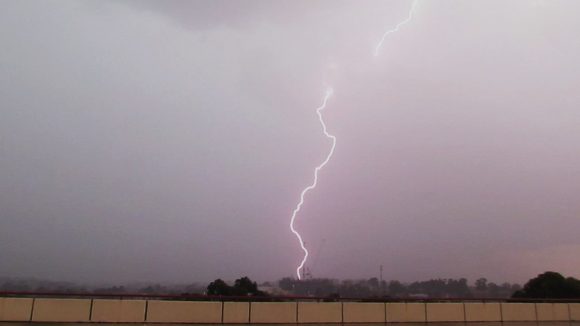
(574, 311)
(482, 311)
(273, 312)
(236, 312)
(15, 309)
(518, 311)
(160, 311)
(367, 312)
(553, 312)
(118, 311)
(61, 310)
(406, 312)
(319, 312)
(445, 312)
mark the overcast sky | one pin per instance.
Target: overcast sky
(169, 140)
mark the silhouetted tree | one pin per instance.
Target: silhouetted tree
(481, 284)
(245, 286)
(242, 287)
(396, 288)
(458, 288)
(550, 285)
(219, 287)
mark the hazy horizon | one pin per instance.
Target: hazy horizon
(168, 141)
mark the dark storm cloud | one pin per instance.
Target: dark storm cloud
(200, 14)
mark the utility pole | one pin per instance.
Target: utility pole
(381, 280)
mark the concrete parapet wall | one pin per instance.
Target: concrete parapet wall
(319, 312)
(400, 312)
(518, 311)
(15, 309)
(363, 312)
(160, 311)
(482, 311)
(236, 313)
(445, 312)
(552, 312)
(273, 312)
(574, 311)
(61, 310)
(118, 311)
(207, 312)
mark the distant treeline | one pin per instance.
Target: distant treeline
(8, 284)
(435, 288)
(321, 287)
(546, 285)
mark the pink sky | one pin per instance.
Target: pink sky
(169, 141)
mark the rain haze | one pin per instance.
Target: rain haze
(169, 141)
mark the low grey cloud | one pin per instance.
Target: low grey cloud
(169, 140)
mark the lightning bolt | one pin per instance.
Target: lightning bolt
(397, 27)
(329, 92)
(319, 110)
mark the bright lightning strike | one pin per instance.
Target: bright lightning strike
(319, 110)
(396, 29)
